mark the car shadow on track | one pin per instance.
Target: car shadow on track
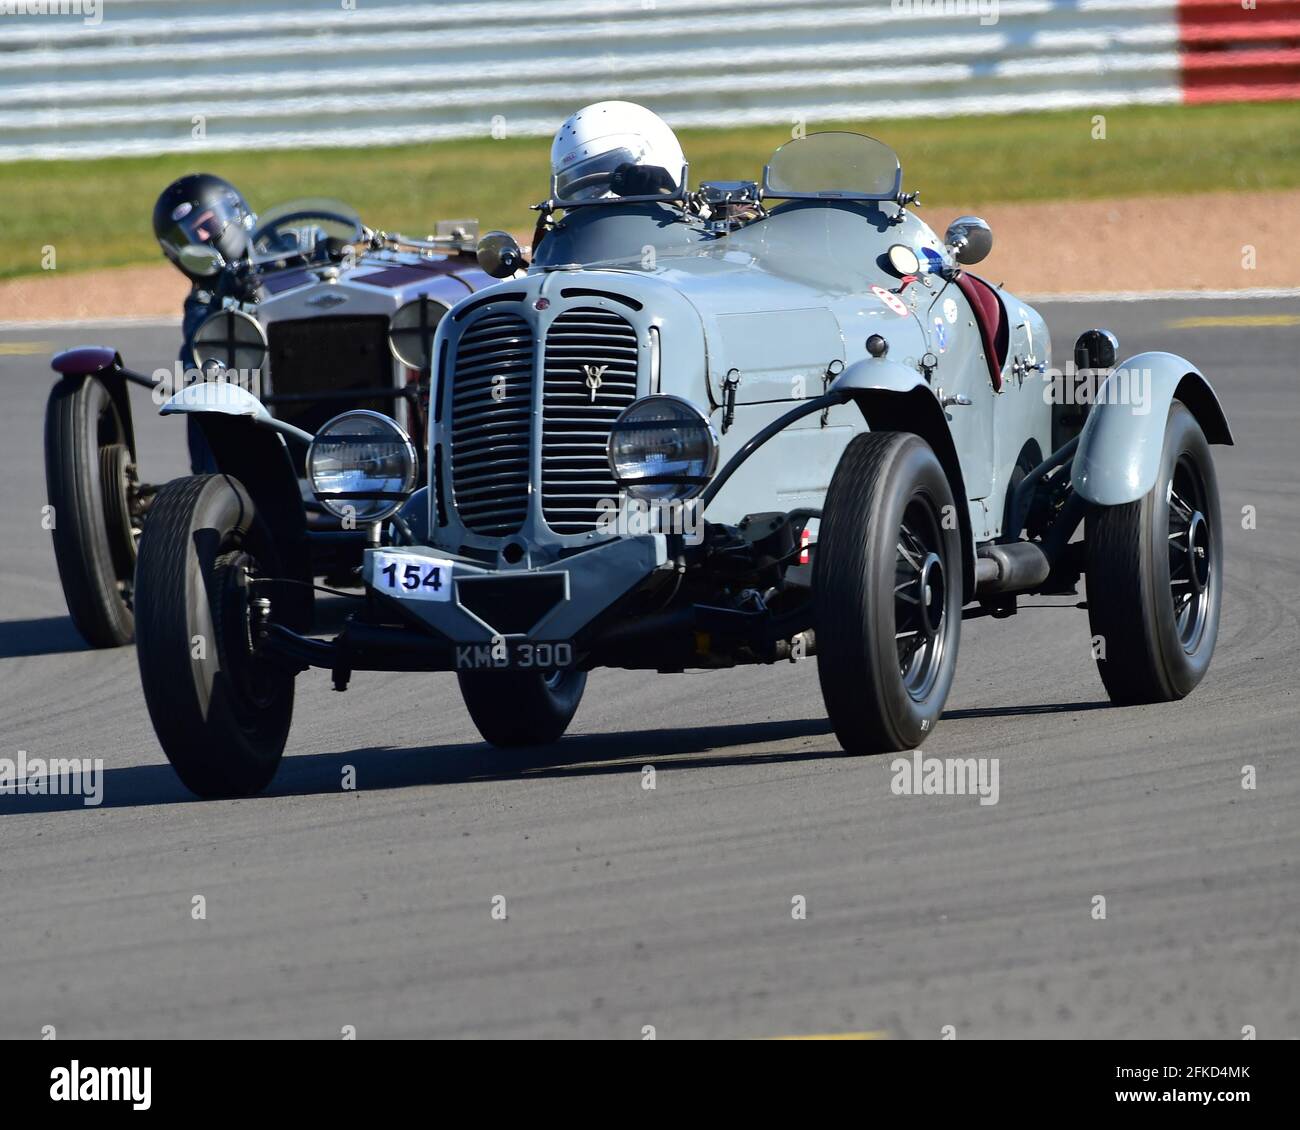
(47, 635)
(388, 767)
(578, 755)
(1024, 711)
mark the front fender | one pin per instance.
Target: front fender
(242, 436)
(896, 398)
(221, 398)
(104, 363)
(877, 374)
(1120, 447)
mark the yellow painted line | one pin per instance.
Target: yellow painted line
(24, 348)
(1225, 321)
(839, 1036)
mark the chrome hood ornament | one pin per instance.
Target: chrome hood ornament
(594, 374)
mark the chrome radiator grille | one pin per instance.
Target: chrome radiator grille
(589, 378)
(589, 375)
(490, 435)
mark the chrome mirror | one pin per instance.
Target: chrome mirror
(969, 239)
(1096, 350)
(499, 254)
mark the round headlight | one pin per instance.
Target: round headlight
(362, 465)
(233, 338)
(663, 449)
(411, 330)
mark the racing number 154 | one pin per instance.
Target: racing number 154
(414, 576)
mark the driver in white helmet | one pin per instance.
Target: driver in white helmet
(615, 149)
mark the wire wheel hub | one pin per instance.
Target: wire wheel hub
(1190, 554)
(920, 600)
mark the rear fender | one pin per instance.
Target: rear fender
(1121, 443)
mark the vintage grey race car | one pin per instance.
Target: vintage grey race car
(747, 424)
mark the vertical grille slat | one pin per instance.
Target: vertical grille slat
(490, 438)
(575, 427)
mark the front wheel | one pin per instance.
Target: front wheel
(1155, 575)
(97, 509)
(887, 593)
(221, 712)
(515, 708)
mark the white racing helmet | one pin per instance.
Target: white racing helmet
(613, 149)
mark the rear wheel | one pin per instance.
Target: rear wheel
(514, 708)
(887, 593)
(98, 509)
(221, 712)
(1155, 575)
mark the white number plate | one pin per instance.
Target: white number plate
(412, 576)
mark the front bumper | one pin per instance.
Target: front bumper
(587, 583)
(429, 635)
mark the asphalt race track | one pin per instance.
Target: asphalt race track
(672, 907)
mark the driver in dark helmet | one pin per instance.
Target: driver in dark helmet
(204, 211)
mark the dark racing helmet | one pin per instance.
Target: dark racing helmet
(205, 211)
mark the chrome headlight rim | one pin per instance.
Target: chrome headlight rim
(694, 484)
(227, 350)
(422, 302)
(337, 502)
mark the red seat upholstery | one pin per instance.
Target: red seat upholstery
(991, 318)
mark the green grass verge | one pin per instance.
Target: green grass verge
(97, 214)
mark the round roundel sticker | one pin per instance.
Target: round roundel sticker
(950, 311)
(896, 304)
(940, 335)
(932, 258)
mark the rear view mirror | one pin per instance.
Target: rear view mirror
(969, 239)
(499, 254)
(1096, 350)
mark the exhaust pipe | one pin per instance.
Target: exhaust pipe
(1014, 567)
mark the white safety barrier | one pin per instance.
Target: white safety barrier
(151, 76)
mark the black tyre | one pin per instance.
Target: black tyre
(887, 593)
(1155, 575)
(514, 708)
(221, 712)
(92, 485)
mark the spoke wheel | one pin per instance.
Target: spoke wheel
(887, 593)
(90, 483)
(221, 712)
(920, 601)
(1191, 554)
